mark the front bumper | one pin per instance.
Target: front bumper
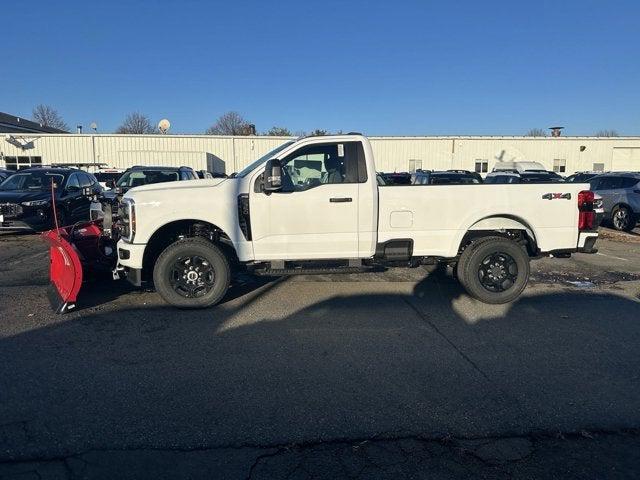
(29, 224)
(130, 255)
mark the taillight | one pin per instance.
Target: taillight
(586, 216)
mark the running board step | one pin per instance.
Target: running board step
(313, 271)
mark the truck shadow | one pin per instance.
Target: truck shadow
(291, 363)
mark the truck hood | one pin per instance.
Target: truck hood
(181, 185)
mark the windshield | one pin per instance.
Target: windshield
(249, 168)
(32, 181)
(106, 176)
(136, 178)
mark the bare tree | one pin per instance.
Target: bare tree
(136, 123)
(537, 132)
(279, 132)
(231, 123)
(49, 117)
(607, 133)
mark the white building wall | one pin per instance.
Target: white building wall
(392, 153)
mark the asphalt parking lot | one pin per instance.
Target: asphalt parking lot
(388, 375)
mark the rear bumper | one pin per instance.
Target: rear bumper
(587, 242)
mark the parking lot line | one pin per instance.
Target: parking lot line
(611, 256)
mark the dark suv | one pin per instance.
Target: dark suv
(620, 193)
(449, 177)
(25, 198)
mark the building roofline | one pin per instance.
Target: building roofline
(29, 126)
(373, 137)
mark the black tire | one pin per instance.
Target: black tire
(466, 255)
(494, 270)
(623, 219)
(192, 273)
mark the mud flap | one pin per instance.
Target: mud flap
(65, 271)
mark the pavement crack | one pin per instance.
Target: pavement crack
(260, 458)
(425, 319)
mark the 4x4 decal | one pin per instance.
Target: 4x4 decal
(554, 196)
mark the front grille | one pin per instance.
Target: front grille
(10, 210)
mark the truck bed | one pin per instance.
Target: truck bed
(437, 217)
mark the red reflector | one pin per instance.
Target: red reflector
(586, 216)
(586, 220)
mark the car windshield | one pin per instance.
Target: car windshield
(501, 179)
(135, 178)
(249, 168)
(106, 176)
(447, 179)
(32, 181)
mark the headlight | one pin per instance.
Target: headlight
(36, 203)
(128, 219)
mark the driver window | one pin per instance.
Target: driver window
(317, 165)
(73, 181)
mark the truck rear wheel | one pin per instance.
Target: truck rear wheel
(192, 273)
(494, 270)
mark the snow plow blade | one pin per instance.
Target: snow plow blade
(70, 250)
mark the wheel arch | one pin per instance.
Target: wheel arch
(509, 226)
(168, 233)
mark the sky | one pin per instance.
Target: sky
(381, 68)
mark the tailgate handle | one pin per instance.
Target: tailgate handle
(340, 199)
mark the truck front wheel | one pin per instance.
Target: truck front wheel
(494, 270)
(192, 273)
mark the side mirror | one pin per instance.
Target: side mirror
(110, 183)
(273, 175)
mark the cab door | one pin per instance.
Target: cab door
(315, 214)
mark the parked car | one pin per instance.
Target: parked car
(397, 178)
(468, 172)
(503, 177)
(136, 177)
(144, 175)
(519, 167)
(26, 199)
(108, 175)
(333, 218)
(598, 209)
(449, 177)
(620, 193)
(4, 174)
(582, 177)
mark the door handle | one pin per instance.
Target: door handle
(340, 199)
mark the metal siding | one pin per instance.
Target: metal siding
(391, 153)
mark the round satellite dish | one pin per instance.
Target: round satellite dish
(164, 125)
(94, 126)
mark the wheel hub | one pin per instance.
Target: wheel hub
(498, 272)
(192, 276)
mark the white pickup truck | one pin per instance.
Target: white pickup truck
(314, 205)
